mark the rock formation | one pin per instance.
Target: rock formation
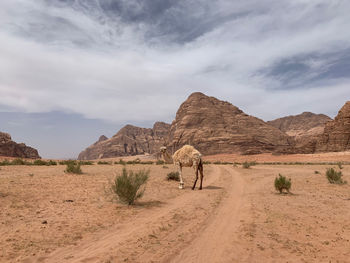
(9, 148)
(303, 125)
(213, 126)
(130, 140)
(336, 135)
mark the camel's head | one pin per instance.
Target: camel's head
(162, 149)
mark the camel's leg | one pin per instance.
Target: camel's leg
(195, 181)
(201, 172)
(181, 185)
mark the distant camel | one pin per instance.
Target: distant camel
(187, 156)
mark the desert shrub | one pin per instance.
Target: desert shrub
(65, 162)
(246, 165)
(127, 185)
(121, 161)
(165, 167)
(146, 162)
(73, 168)
(173, 176)
(160, 162)
(206, 162)
(40, 162)
(334, 177)
(86, 163)
(217, 162)
(5, 162)
(19, 161)
(317, 172)
(51, 162)
(104, 162)
(281, 182)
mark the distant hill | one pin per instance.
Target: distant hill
(9, 148)
(305, 124)
(214, 126)
(336, 134)
(130, 140)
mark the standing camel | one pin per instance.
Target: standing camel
(187, 156)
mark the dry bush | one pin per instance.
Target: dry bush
(173, 176)
(282, 183)
(73, 168)
(127, 186)
(334, 177)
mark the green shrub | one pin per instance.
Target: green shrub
(51, 162)
(73, 168)
(86, 163)
(127, 185)
(173, 176)
(40, 162)
(121, 161)
(281, 182)
(104, 163)
(65, 162)
(334, 177)
(146, 162)
(160, 162)
(246, 165)
(19, 161)
(5, 162)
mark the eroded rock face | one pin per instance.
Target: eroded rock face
(302, 125)
(10, 148)
(130, 140)
(336, 135)
(213, 126)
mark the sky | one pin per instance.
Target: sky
(72, 70)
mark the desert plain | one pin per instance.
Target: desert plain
(48, 215)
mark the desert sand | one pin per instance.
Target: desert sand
(49, 216)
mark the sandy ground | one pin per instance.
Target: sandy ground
(49, 216)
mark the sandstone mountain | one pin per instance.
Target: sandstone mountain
(214, 126)
(9, 148)
(336, 135)
(130, 140)
(303, 125)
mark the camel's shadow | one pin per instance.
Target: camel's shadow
(212, 187)
(148, 204)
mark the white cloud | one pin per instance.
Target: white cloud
(58, 57)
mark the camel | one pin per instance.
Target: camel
(187, 156)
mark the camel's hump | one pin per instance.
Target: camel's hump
(186, 150)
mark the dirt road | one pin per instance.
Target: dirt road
(194, 227)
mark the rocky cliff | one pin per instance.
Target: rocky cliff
(130, 140)
(214, 126)
(10, 148)
(302, 125)
(336, 135)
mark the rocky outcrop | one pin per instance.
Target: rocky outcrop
(9, 148)
(130, 140)
(336, 135)
(214, 126)
(303, 125)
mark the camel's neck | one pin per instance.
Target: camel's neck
(167, 158)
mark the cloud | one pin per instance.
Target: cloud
(133, 60)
